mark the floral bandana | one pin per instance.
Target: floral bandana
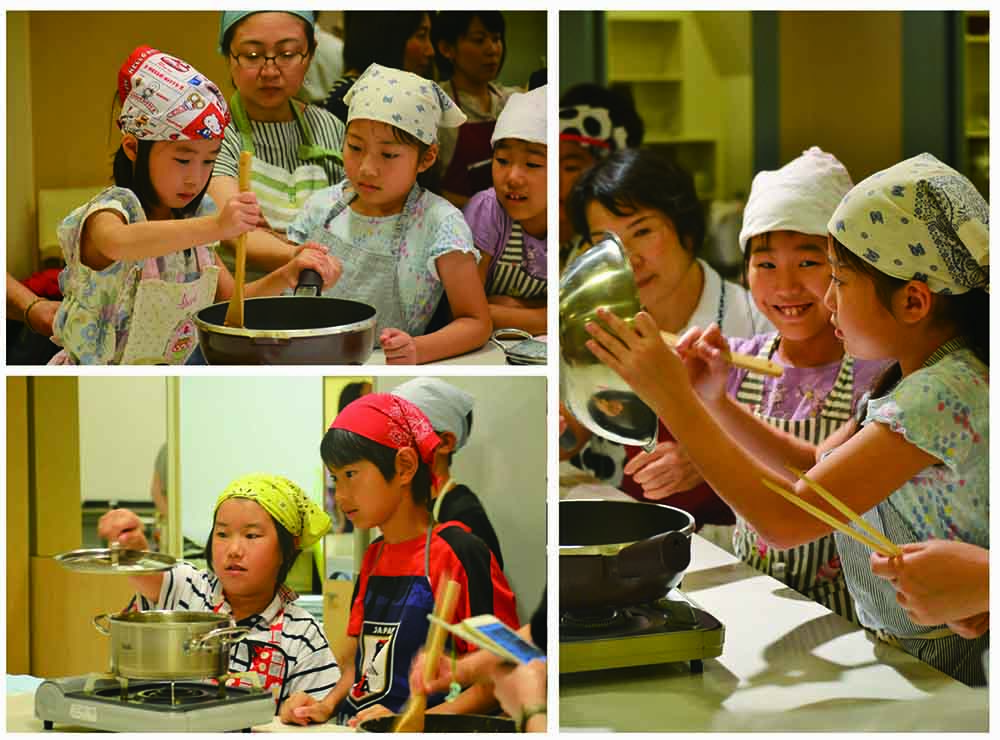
(166, 99)
(390, 421)
(404, 100)
(283, 500)
(918, 220)
(591, 128)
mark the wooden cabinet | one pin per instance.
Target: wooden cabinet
(976, 95)
(659, 59)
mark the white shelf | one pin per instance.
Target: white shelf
(644, 78)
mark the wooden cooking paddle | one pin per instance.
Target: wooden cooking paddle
(412, 718)
(747, 362)
(234, 314)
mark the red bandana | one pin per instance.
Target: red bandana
(391, 421)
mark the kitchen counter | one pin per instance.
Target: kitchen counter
(488, 354)
(787, 664)
(21, 718)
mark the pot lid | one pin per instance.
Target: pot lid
(115, 560)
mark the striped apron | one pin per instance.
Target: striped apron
(509, 275)
(812, 569)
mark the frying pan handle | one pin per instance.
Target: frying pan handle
(310, 283)
(104, 629)
(670, 551)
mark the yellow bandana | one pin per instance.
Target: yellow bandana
(283, 500)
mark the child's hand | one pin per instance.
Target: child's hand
(300, 709)
(371, 712)
(702, 352)
(313, 256)
(124, 527)
(399, 347)
(441, 682)
(664, 471)
(240, 215)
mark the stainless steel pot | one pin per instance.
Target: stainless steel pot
(169, 645)
(600, 276)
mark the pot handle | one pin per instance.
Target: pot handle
(670, 551)
(496, 336)
(310, 283)
(104, 630)
(225, 634)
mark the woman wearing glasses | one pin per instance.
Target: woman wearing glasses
(296, 147)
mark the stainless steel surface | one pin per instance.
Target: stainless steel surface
(524, 350)
(169, 645)
(600, 276)
(110, 560)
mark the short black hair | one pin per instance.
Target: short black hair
(227, 38)
(286, 543)
(448, 25)
(350, 393)
(342, 447)
(619, 105)
(378, 36)
(135, 177)
(631, 179)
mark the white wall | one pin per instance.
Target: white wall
(123, 423)
(231, 426)
(504, 464)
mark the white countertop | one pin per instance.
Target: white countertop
(488, 354)
(788, 663)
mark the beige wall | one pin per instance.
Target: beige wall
(20, 170)
(840, 87)
(17, 525)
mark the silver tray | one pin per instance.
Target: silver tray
(108, 560)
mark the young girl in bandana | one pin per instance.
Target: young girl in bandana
(379, 449)
(260, 525)
(140, 256)
(509, 221)
(402, 248)
(909, 248)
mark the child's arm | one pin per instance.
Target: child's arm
(125, 527)
(301, 708)
(265, 249)
(471, 326)
(477, 699)
(530, 315)
(862, 473)
(106, 238)
(309, 256)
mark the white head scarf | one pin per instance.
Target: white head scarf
(445, 405)
(798, 197)
(523, 117)
(404, 100)
(919, 220)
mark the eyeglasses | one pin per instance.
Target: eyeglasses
(283, 60)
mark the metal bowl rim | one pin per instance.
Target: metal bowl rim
(239, 331)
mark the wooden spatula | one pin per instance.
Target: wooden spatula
(412, 718)
(234, 314)
(747, 362)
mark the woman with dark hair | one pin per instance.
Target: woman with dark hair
(471, 50)
(400, 39)
(296, 147)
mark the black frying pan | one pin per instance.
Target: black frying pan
(620, 553)
(302, 329)
(434, 723)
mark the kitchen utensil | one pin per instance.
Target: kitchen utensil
(169, 645)
(443, 723)
(618, 553)
(234, 314)
(412, 718)
(115, 560)
(736, 359)
(874, 539)
(303, 329)
(528, 351)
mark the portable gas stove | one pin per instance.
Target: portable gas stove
(669, 630)
(117, 705)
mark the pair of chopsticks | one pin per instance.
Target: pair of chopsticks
(871, 537)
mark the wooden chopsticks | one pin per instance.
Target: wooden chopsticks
(871, 537)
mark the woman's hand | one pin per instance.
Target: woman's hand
(639, 356)
(520, 688)
(367, 713)
(124, 527)
(940, 582)
(313, 256)
(399, 347)
(300, 709)
(664, 471)
(240, 215)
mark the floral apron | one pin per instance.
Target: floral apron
(812, 569)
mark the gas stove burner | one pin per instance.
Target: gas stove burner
(170, 693)
(608, 622)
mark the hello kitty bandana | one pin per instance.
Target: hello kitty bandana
(404, 100)
(166, 99)
(390, 421)
(919, 220)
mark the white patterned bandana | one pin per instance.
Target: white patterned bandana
(446, 406)
(166, 99)
(522, 117)
(404, 100)
(919, 220)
